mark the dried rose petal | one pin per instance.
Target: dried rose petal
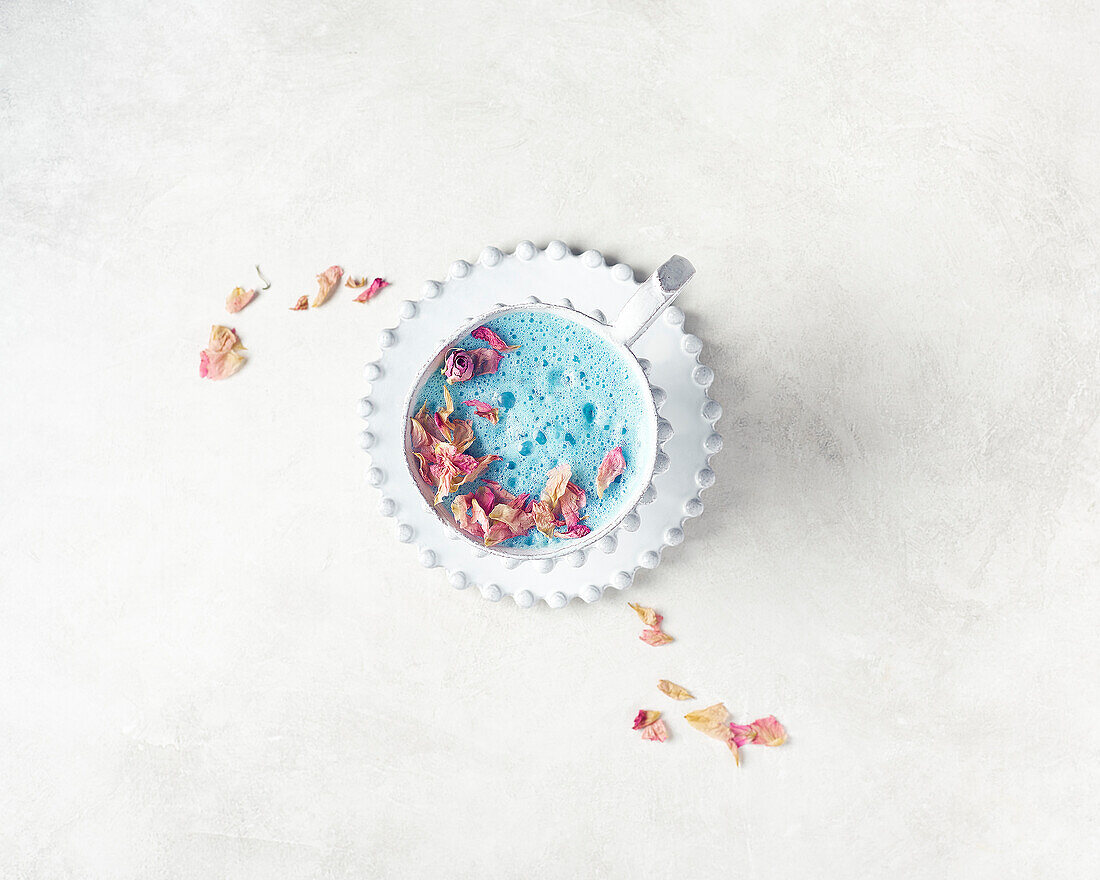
(544, 518)
(301, 305)
(498, 344)
(326, 283)
(763, 731)
(238, 299)
(223, 339)
(427, 422)
(460, 509)
(497, 532)
(611, 467)
(355, 281)
(462, 434)
(674, 690)
(714, 722)
(479, 515)
(769, 731)
(655, 637)
(421, 440)
(645, 717)
(656, 732)
(444, 429)
(219, 364)
(648, 615)
(573, 495)
(482, 464)
(484, 410)
(425, 461)
(498, 491)
(742, 734)
(518, 521)
(458, 366)
(371, 292)
(486, 360)
(574, 528)
(556, 482)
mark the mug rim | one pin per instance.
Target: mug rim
(604, 331)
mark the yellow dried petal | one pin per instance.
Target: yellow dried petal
(674, 690)
(713, 721)
(223, 339)
(326, 283)
(556, 482)
(648, 615)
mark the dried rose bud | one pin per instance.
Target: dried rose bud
(459, 366)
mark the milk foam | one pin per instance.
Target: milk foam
(567, 395)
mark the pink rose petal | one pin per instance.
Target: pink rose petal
(477, 512)
(326, 283)
(645, 717)
(763, 731)
(655, 637)
(371, 292)
(611, 467)
(485, 497)
(220, 359)
(499, 492)
(498, 344)
(655, 732)
(486, 360)
(219, 364)
(484, 410)
(301, 305)
(238, 299)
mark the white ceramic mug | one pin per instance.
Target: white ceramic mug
(636, 316)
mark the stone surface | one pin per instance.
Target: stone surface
(217, 660)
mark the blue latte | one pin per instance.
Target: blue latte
(566, 395)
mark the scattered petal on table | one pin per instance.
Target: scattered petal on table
(238, 299)
(657, 732)
(674, 690)
(645, 717)
(372, 291)
(655, 637)
(326, 283)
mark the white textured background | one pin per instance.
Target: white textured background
(217, 662)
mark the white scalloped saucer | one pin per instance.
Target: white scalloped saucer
(679, 382)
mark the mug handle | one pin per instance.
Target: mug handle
(652, 297)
